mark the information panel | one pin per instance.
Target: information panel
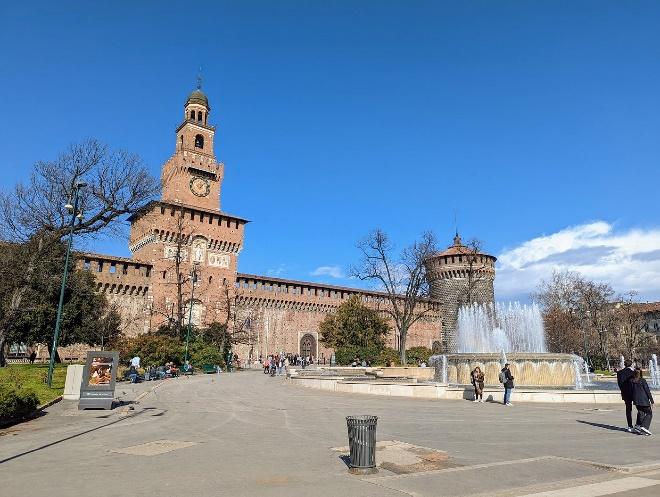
(97, 390)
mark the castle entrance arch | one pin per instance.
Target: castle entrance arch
(308, 345)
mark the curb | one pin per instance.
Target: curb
(48, 404)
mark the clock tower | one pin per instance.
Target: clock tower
(184, 236)
(192, 176)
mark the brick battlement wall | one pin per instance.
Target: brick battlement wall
(281, 311)
(284, 311)
(126, 285)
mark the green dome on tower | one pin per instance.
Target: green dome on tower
(198, 97)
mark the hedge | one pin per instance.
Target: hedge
(16, 403)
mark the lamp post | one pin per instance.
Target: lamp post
(193, 276)
(75, 214)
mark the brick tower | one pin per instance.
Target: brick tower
(458, 276)
(187, 224)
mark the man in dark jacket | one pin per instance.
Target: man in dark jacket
(508, 385)
(623, 377)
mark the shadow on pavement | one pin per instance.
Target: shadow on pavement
(2, 461)
(601, 425)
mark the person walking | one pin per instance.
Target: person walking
(643, 400)
(623, 377)
(506, 378)
(478, 383)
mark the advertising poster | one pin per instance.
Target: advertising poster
(100, 370)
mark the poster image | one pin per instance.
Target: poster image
(100, 370)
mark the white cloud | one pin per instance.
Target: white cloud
(627, 260)
(332, 271)
(276, 271)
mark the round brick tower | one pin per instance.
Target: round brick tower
(458, 276)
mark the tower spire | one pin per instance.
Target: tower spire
(199, 78)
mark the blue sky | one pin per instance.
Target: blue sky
(537, 123)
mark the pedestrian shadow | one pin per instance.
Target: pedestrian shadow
(604, 426)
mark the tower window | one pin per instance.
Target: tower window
(199, 141)
(199, 115)
(192, 115)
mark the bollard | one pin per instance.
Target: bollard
(362, 443)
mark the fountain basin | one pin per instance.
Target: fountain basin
(528, 368)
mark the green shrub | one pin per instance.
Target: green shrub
(16, 403)
(205, 353)
(389, 356)
(159, 348)
(415, 355)
(345, 355)
(153, 349)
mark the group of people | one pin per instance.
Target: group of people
(278, 364)
(169, 370)
(635, 391)
(506, 379)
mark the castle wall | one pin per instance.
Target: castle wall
(126, 285)
(282, 311)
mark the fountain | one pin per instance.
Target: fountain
(578, 375)
(439, 362)
(654, 372)
(622, 362)
(490, 335)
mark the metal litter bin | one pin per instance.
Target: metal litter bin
(362, 443)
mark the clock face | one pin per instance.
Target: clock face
(200, 186)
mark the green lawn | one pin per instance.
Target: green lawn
(33, 377)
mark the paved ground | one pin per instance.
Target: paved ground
(244, 434)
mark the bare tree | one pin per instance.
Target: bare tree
(596, 306)
(403, 278)
(236, 325)
(118, 183)
(630, 321)
(576, 307)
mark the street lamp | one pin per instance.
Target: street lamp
(75, 214)
(193, 277)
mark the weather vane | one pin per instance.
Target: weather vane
(199, 78)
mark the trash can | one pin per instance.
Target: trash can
(362, 443)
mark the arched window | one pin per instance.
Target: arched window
(199, 115)
(199, 141)
(181, 138)
(192, 115)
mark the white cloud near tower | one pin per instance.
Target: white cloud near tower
(627, 260)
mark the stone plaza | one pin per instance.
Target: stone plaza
(247, 434)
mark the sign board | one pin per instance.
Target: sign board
(97, 390)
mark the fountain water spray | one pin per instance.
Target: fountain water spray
(439, 362)
(578, 375)
(511, 327)
(654, 371)
(622, 362)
